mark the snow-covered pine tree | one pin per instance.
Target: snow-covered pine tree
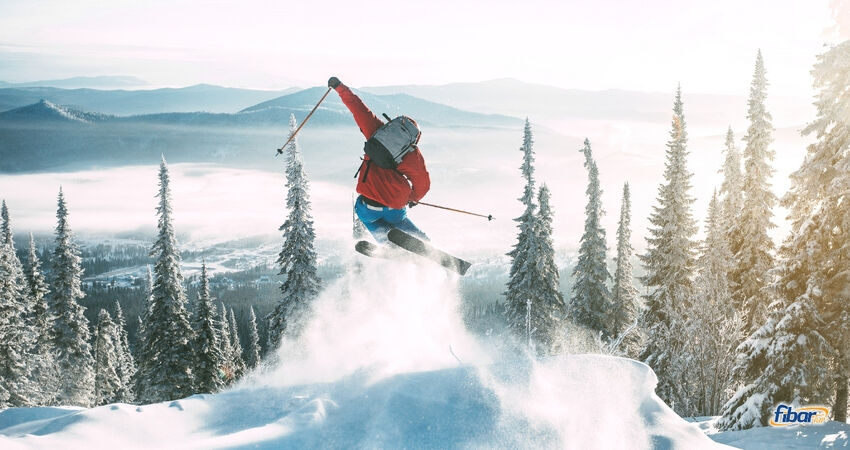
(828, 168)
(624, 295)
(107, 381)
(5, 226)
(297, 258)
(166, 359)
(669, 262)
(801, 348)
(787, 359)
(17, 336)
(590, 305)
(45, 375)
(126, 364)
(548, 313)
(226, 345)
(148, 289)
(714, 328)
(754, 259)
(254, 351)
(238, 362)
(208, 353)
(749, 404)
(137, 348)
(524, 276)
(732, 202)
(146, 308)
(71, 328)
(270, 346)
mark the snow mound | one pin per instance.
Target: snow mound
(376, 368)
(581, 401)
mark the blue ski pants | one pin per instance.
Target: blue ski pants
(380, 220)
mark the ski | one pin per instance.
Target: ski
(374, 250)
(426, 250)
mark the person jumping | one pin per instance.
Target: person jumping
(385, 194)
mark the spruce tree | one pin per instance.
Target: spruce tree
(253, 342)
(45, 374)
(210, 358)
(238, 362)
(107, 381)
(146, 307)
(36, 290)
(669, 263)
(801, 348)
(754, 259)
(228, 370)
(166, 359)
(714, 328)
(590, 305)
(624, 295)
(732, 203)
(16, 335)
(5, 227)
(828, 168)
(126, 363)
(524, 275)
(550, 309)
(71, 328)
(297, 258)
(787, 358)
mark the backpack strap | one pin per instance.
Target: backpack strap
(368, 163)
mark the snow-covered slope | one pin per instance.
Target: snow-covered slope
(801, 437)
(571, 402)
(374, 369)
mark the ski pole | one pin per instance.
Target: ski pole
(488, 217)
(280, 150)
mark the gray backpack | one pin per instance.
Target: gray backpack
(390, 143)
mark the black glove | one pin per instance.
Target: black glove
(333, 82)
(412, 204)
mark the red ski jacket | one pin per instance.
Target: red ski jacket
(408, 182)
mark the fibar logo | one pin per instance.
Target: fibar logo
(806, 415)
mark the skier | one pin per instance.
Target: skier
(385, 194)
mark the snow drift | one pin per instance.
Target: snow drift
(375, 369)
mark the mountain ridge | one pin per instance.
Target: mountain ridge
(48, 111)
(275, 112)
(198, 97)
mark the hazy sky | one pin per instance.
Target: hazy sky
(648, 45)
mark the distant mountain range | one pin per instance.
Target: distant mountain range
(48, 136)
(424, 111)
(201, 97)
(45, 128)
(101, 82)
(507, 97)
(274, 112)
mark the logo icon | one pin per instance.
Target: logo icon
(805, 415)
